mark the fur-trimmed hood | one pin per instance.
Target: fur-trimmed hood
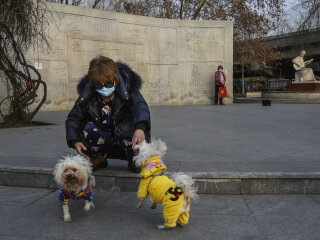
(132, 80)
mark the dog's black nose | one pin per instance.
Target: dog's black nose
(69, 175)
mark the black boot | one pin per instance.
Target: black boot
(99, 162)
(133, 167)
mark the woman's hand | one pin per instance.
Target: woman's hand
(79, 147)
(137, 137)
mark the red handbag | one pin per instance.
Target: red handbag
(223, 92)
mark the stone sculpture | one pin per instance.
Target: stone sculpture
(302, 74)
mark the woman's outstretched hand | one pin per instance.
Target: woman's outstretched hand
(79, 147)
(137, 137)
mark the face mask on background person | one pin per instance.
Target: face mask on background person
(220, 70)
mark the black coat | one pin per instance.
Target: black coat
(129, 107)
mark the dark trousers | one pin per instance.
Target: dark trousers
(216, 94)
(106, 144)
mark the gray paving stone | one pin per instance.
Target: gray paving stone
(219, 186)
(283, 205)
(290, 227)
(19, 197)
(237, 133)
(313, 186)
(210, 166)
(15, 237)
(273, 186)
(286, 217)
(316, 198)
(219, 227)
(229, 205)
(279, 166)
(29, 213)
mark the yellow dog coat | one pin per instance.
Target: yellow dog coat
(162, 190)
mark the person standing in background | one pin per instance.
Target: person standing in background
(220, 81)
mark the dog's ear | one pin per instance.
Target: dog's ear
(136, 149)
(57, 172)
(157, 147)
(147, 150)
(85, 163)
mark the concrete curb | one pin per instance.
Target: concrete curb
(273, 100)
(207, 182)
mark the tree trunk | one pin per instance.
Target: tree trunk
(242, 76)
(195, 15)
(181, 9)
(168, 9)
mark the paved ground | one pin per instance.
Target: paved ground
(28, 213)
(241, 138)
(232, 138)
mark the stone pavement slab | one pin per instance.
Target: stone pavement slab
(29, 213)
(238, 138)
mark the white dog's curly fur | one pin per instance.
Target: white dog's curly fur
(147, 150)
(74, 174)
(79, 162)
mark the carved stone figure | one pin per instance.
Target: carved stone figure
(302, 74)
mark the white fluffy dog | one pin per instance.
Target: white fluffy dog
(174, 194)
(73, 175)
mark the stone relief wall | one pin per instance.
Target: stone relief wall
(176, 59)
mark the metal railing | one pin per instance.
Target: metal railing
(262, 85)
(277, 84)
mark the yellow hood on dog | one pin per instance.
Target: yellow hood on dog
(152, 166)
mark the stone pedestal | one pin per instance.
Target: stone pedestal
(305, 86)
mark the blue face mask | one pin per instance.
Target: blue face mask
(106, 92)
(220, 70)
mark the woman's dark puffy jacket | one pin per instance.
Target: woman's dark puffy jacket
(129, 107)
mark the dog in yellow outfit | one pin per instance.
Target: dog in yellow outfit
(174, 194)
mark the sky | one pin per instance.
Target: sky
(290, 3)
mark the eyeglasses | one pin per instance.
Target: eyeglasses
(106, 85)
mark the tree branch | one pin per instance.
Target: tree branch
(168, 9)
(96, 2)
(181, 9)
(195, 15)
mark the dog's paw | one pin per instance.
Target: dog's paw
(67, 219)
(140, 204)
(92, 206)
(180, 224)
(153, 206)
(88, 206)
(160, 227)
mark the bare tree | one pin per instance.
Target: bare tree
(22, 24)
(253, 20)
(302, 16)
(311, 18)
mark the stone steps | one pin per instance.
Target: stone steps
(208, 182)
(273, 100)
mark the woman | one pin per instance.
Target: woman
(110, 116)
(220, 81)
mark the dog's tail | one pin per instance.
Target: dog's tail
(187, 184)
